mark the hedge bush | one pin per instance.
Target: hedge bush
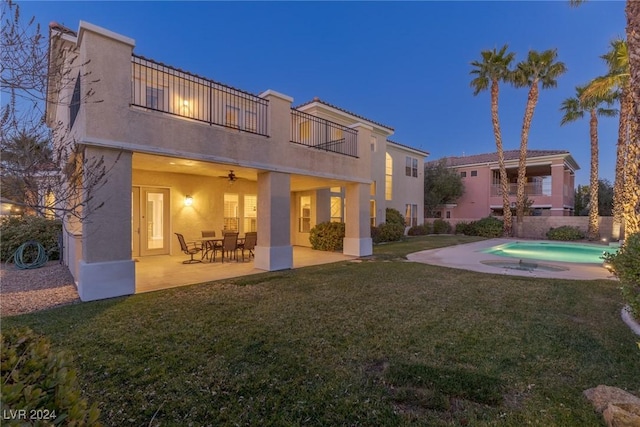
(626, 264)
(393, 216)
(35, 378)
(386, 232)
(420, 230)
(565, 232)
(440, 226)
(464, 227)
(327, 236)
(487, 227)
(18, 230)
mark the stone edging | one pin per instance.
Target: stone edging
(630, 321)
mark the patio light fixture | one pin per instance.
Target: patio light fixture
(188, 200)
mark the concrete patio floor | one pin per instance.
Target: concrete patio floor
(164, 271)
(470, 257)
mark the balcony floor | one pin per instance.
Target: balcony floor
(164, 271)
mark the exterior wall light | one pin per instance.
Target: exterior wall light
(188, 200)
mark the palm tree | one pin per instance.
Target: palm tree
(575, 108)
(539, 68)
(617, 79)
(490, 72)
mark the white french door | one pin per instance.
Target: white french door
(150, 221)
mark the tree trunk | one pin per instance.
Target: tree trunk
(593, 231)
(632, 179)
(532, 100)
(504, 183)
(626, 108)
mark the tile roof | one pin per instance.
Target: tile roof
(426, 153)
(318, 100)
(493, 157)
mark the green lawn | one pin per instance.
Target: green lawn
(378, 342)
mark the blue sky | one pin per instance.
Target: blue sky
(404, 64)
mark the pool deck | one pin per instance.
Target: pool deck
(470, 256)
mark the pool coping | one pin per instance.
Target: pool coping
(469, 256)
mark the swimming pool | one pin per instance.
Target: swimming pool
(552, 251)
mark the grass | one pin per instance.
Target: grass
(380, 342)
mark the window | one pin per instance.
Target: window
(74, 107)
(372, 212)
(374, 144)
(232, 117)
(336, 209)
(411, 215)
(49, 204)
(463, 174)
(474, 173)
(407, 168)
(372, 191)
(155, 98)
(251, 121)
(231, 220)
(414, 168)
(336, 134)
(448, 214)
(250, 212)
(388, 187)
(305, 214)
(304, 130)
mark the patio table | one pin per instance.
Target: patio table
(215, 241)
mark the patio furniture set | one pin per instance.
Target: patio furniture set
(209, 246)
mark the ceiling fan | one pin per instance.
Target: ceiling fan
(231, 177)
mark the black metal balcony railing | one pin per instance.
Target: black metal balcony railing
(158, 87)
(532, 189)
(323, 134)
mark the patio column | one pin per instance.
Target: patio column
(357, 240)
(274, 250)
(106, 269)
(557, 189)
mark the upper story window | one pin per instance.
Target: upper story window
(474, 173)
(74, 106)
(463, 174)
(232, 118)
(388, 187)
(374, 144)
(155, 98)
(411, 167)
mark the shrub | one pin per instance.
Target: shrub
(463, 227)
(327, 236)
(387, 233)
(18, 230)
(34, 378)
(565, 232)
(420, 230)
(626, 264)
(440, 226)
(394, 217)
(487, 227)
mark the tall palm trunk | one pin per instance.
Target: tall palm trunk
(532, 100)
(593, 231)
(504, 183)
(626, 107)
(631, 210)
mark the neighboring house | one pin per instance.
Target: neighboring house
(550, 184)
(185, 154)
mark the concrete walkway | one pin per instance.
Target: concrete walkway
(470, 257)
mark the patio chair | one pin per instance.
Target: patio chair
(207, 246)
(189, 250)
(250, 240)
(229, 245)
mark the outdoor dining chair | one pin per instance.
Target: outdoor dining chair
(189, 250)
(207, 245)
(229, 246)
(249, 244)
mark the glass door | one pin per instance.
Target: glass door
(152, 221)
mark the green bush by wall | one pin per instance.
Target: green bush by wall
(565, 232)
(327, 236)
(393, 216)
(18, 230)
(626, 264)
(41, 382)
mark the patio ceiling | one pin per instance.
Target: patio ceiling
(149, 162)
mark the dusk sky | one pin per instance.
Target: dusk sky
(403, 64)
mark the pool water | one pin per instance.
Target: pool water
(552, 251)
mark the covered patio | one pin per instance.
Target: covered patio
(154, 273)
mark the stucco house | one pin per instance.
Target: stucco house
(550, 183)
(185, 153)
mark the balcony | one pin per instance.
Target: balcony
(158, 87)
(531, 189)
(323, 134)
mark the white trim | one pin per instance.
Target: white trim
(126, 146)
(87, 26)
(360, 125)
(342, 113)
(557, 209)
(415, 151)
(270, 92)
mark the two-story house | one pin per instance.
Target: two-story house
(550, 184)
(184, 153)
